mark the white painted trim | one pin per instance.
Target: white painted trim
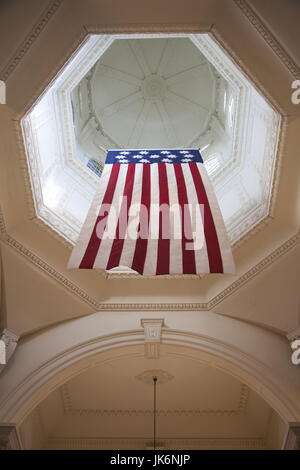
(65, 351)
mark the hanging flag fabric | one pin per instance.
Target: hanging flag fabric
(155, 212)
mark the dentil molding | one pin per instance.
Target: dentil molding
(239, 410)
(97, 305)
(82, 443)
(30, 38)
(268, 37)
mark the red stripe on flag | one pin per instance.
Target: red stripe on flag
(140, 251)
(91, 251)
(163, 245)
(188, 256)
(212, 243)
(117, 246)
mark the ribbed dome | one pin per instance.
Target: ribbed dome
(145, 93)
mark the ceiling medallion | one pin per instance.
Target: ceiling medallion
(154, 88)
(161, 375)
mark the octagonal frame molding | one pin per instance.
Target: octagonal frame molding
(93, 47)
(178, 28)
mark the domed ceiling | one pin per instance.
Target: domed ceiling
(147, 91)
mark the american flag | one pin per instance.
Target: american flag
(155, 212)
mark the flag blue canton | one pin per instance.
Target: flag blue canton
(154, 156)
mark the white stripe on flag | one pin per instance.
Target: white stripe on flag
(129, 243)
(112, 220)
(176, 266)
(201, 256)
(88, 226)
(151, 256)
(226, 253)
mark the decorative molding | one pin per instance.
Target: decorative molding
(9, 437)
(97, 305)
(53, 273)
(83, 443)
(147, 28)
(131, 275)
(268, 37)
(163, 377)
(258, 268)
(59, 369)
(30, 38)
(218, 37)
(153, 307)
(292, 440)
(152, 331)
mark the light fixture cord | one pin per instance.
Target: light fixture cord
(154, 413)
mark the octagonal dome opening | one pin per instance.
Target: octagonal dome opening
(153, 93)
(146, 91)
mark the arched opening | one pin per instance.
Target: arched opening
(107, 403)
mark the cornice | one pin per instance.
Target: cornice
(269, 38)
(239, 410)
(53, 6)
(219, 38)
(144, 443)
(30, 38)
(41, 264)
(258, 268)
(95, 304)
(145, 28)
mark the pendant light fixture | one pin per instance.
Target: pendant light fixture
(154, 411)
